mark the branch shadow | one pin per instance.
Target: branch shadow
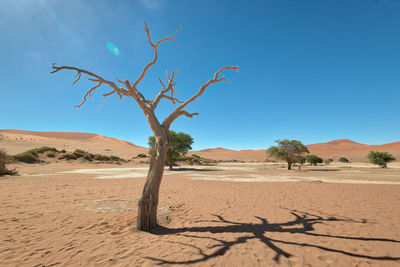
(303, 223)
(184, 169)
(323, 170)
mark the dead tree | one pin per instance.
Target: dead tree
(147, 204)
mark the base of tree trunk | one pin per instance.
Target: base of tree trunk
(147, 215)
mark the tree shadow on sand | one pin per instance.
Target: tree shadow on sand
(186, 169)
(303, 223)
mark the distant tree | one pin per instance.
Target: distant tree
(343, 159)
(287, 150)
(300, 160)
(313, 159)
(380, 158)
(180, 144)
(328, 161)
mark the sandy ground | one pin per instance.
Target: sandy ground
(79, 214)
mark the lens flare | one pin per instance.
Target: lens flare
(112, 49)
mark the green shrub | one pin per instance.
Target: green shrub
(343, 159)
(115, 158)
(68, 156)
(63, 151)
(380, 158)
(79, 153)
(195, 156)
(328, 161)
(300, 159)
(313, 159)
(88, 156)
(32, 152)
(40, 150)
(27, 157)
(51, 155)
(45, 149)
(101, 157)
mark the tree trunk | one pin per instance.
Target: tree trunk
(289, 166)
(148, 203)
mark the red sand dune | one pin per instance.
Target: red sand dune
(335, 149)
(16, 141)
(352, 150)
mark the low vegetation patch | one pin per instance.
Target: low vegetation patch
(343, 159)
(196, 160)
(27, 157)
(32, 156)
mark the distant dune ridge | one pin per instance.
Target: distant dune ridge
(17, 141)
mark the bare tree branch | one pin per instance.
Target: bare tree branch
(120, 91)
(77, 79)
(187, 114)
(163, 91)
(88, 93)
(155, 47)
(178, 111)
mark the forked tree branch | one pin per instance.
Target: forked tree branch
(187, 114)
(120, 91)
(179, 110)
(170, 88)
(155, 47)
(148, 106)
(131, 89)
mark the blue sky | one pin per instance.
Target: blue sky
(309, 70)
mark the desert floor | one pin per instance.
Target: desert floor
(74, 214)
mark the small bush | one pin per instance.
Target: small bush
(328, 161)
(380, 158)
(41, 150)
(68, 156)
(45, 149)
(51, 155)
(63, 151)
(300, 159)
(141, 156)
(343, 159)
(195, 156)
(313, 159)
(115, 158)
(88, 156)
(27, 157)
(101, 157)
(79, 153)
(32, 152)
